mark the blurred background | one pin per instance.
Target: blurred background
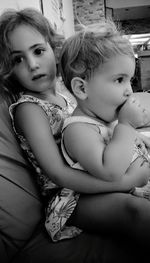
(132, 16)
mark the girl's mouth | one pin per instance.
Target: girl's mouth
(39, 76)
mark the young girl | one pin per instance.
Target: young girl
(28, 63)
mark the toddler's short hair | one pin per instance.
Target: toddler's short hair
(92, 46)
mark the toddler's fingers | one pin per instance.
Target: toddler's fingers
(145, 139)
(145, 163)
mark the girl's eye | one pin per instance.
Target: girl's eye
(39, 51)
(17, 60)
(119, 80)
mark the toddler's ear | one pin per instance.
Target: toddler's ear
(79, 88)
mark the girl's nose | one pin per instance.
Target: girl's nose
(32, 63)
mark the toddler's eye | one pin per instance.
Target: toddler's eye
(119, 80)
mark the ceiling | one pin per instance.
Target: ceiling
(139, 12)
(129, 9)
(139, 39)
(123, 10)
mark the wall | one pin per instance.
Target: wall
(91, 11)
(68, 26)
(144, 61)
(87, 12)
(126, 3)
(140, 26)
(50, 8)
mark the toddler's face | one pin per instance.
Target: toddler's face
(33, 59)
(110, 87)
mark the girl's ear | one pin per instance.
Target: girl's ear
(79, 88)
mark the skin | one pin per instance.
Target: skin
(135, 112)
(32, 121)
(108, 88)
(100, 98)
(35, 65)
(33, 56)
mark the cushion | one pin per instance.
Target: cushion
(20, 204)
(23, 237)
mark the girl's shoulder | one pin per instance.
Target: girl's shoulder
(27, 98)
(24, 98)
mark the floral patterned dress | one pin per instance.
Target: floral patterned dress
(63, 202)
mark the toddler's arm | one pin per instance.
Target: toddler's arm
(131, 116)
(85, 145)
(119, 152)
(109, 162)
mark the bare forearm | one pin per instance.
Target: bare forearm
(82, 182)
(118, 153)
(79, 181)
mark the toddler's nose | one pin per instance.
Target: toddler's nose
(128, 91)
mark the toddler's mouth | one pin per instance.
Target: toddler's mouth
(120, 106)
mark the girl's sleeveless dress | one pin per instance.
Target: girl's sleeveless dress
(62, 204)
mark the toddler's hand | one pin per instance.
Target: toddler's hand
(140, 143)
(139, 172)
(133, 113)
(145, 140)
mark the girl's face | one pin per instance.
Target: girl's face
(110, 87)
(33, 59)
